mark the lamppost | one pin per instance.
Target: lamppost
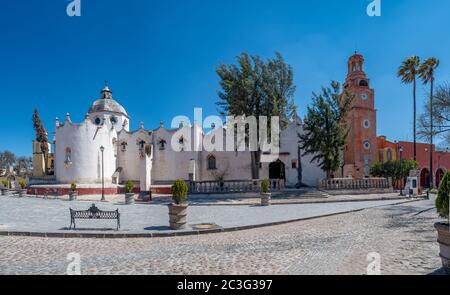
(401, 170)
(102, 149)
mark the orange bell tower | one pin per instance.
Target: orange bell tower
(360, 151)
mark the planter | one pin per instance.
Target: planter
(22, 193)
(265, 199)
(444, 243)
(73, 196)
(178, 216)
(129, 199)
(4, 191)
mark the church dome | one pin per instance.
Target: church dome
(107, 104)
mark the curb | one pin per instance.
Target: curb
(177, 234)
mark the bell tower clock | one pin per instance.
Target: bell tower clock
(360, 150)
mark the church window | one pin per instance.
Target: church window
(363, 83)
(212, 163)
(162, 144)
(181, 140)
(123, 146)
(294, 164)
(113, 120)
(366, 124)
(141, 145)
(364, 96)
(68, 157)
(366, 145)
(98, 121)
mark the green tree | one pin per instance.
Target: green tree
(396, 170)
(254, 87)
(427, 72)
(41, 136)
(408, 72)
(442, 201)
(325, 127)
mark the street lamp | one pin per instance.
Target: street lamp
(401, 169)
(102, 149)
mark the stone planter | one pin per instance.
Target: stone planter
(129, 199)
(444, 243)
(178, 216)
(73, 196)
(265, 199)
(22, 193)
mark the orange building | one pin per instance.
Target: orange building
(387, 150)
(361, 149)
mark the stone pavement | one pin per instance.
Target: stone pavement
(403, 235)
(38, 215)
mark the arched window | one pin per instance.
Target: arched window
(68, 157)
(123, 146)
(98, 121)
(212, 163)
(389, 155)
(162, 144)
(363, 83)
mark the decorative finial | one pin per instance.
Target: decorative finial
(161, 124)
(57, 122)
(68, 117)
(141, 125)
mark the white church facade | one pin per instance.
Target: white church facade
(103, 143)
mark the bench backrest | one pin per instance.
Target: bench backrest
(94, 213)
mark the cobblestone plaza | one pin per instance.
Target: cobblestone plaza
(402, 234)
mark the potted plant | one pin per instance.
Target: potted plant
(265, 192)
(442, 205)
(23, 188)
(178, 209)
(5, 184)
(73, 192)
(129, 194)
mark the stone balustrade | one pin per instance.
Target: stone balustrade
(355, 184)
(232, 186)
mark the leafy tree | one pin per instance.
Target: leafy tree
(442, 201)
(325, 127)
(408, 72)
(397, 170)
(7, 159)
(41, 136)
(23, 163)
(254, 87)
(427, 74)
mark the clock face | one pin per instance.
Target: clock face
(364, 96)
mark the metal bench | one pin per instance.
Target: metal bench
(94, 213)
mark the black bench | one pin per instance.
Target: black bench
(94, 213)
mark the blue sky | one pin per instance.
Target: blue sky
(159, 56)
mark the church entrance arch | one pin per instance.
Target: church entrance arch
(277, 170)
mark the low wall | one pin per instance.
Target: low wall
(355, 186)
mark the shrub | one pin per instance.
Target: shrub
(5, 183)
(73, 186)
(129, 187)
(265, 186)
(442, 201)
(180, 191)
(22, 184)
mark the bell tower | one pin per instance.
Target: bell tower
(360, 151)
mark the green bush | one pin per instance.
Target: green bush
(5, 183)
(129, 187)
(180, 192)
(442, 201)
(265, 186)
(22, 184)
(73, 186)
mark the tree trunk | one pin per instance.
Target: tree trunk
(431, 135)
(415, 119)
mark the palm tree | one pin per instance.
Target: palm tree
(408, 72)
(427, 74)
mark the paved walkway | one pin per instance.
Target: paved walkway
(38, 215)
(403, 235)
